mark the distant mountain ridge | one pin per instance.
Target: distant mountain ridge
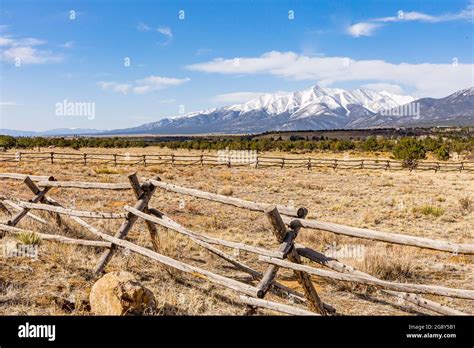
(315, 108)
(51, 132)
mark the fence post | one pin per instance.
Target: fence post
(141, 204)
(144, 160)
(286, 238)
(309, 164)
(201, 161)
(52, 157)
(361, 164)
(282, 162)
(115, 160)
(85, 159)
(172, 159)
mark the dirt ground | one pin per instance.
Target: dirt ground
(428, 204)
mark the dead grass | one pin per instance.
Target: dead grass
(388, 263)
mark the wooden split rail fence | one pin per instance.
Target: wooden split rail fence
(285, 221)
(256, 161)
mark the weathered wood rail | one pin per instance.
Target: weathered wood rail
(255, 161)
(285, 221)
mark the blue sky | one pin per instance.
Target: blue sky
(220, 53)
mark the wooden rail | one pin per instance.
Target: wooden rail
(395, 238)
(176, 227)
(414, 288)
(71, 212)
(236, 202)
(55, 237)
(340, 267)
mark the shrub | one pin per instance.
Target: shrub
(442, 153)
(29, 238)
(410, 151)
(226, 191)
(466, 204)
(429, 210)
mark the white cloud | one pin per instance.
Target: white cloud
(362, 29)
(425, 79)
(30, 55)
(387, 87)
(236, 97)
(25, 49)
(148, 84)
(6, 41)
(368, 27)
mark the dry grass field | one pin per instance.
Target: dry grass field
(434, 205)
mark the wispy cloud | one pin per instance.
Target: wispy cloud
(368, 27)
(236, 97)
(143, 27)
(388, 87)
(243, 97)
(166, 101)
(142, 86)
(163, 30)
(425, 79)
(26, 51)
(166, 31)
(7, 104)
(203, 51)
(68, 44)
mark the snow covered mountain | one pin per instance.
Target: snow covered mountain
(313, 108)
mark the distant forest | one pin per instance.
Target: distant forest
(416, 146)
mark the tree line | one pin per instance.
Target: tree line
(405, 148)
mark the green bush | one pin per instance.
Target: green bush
(442, 153)
(409, 150)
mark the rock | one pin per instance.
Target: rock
(119, 293)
